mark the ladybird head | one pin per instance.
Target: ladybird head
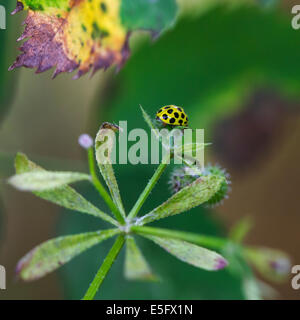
(172, 115)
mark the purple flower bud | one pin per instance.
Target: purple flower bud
(85, 141)
(221, 263)
(281, 266)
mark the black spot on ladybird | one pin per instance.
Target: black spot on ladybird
(159, 111)
(172, 120)
(180, 121)
(170, 111)
(176, 115)
(165, 116)
(179, 109)
(182, 116)
(167, 108)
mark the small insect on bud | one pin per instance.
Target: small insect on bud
(184, 176)
(85, 141)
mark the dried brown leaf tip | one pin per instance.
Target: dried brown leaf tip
(111, 126)
(72, 34)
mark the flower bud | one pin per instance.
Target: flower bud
(225, 188)
(281, 266)
(85, 141)
(182, 177)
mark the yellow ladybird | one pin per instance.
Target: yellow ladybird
(172, 115)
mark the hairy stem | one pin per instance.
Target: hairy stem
(105, 267)
(205, 241)
(142, 198)
(104, 194)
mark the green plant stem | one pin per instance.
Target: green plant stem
(205, 241)
(142, 198)
(105, 267)
(104, 194)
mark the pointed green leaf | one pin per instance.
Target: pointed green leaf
(52, 254)
(240, 230)
(198, 192)
(191, 253)
(273, 264)
(198, 239)
(63, 196)
(104, 145)
(136, 267)
(150, 123)
(45, 180)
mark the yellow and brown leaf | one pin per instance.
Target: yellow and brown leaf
(72, 34)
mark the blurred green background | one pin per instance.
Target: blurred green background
(234, 67)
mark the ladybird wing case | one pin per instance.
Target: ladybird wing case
(172, 115)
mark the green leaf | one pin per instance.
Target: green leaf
(45, 180)
(239, 268)
(178, 283)
(150, 122)
(239, 231)
(145, 14)
(136, 267)
(52, 254)
(199, 239)
(64, 196)
(104, 148)
(198, 192)
(191, 253)
(251, 289)
(273, 264)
